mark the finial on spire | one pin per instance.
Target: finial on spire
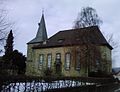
(42, 11)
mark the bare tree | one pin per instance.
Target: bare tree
(115, 44)
(111, 41)
(87, 17)
(5, 25)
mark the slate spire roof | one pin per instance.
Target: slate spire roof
(41, 35)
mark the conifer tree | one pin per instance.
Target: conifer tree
(9, 43)
(9, 48)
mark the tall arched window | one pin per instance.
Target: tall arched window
(49, 60)
(78, 61)
(67, 61)
(58, 63)
(98, 66)
(41, 60)
(58, 56)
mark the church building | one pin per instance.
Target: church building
(72, 52)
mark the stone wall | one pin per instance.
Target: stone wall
(33, 60)
(107, 58)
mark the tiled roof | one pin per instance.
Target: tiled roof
(88, 35)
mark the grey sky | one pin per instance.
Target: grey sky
(59, 15)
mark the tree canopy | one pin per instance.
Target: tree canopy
(87, 17)
(14, 58)
(18, 59)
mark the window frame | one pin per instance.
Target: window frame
(41, 63)
(67, 67)
(58, 59)
(59, 56)
(78, 66)
(58, 62)
(98, 64)
(50, 60)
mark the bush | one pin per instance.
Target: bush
(100, 74)
(48, 72)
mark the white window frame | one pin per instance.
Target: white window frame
(67, 61)
(49, 60)
(58, 56)
(41, 60)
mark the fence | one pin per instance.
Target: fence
(39, 84)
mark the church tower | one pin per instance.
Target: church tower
(41, 37)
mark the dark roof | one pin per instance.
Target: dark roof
(41, 33)
(87, 35)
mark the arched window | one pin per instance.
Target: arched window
(98, 65)
(41, 60)
(58, 63)
(49, 60)
(58, 56)
(78, 61)
(67, 61)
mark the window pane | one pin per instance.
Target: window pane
(49, 60)
(58, 56)
(58, 63)
(97, 62)
(41, 60)
(78, 61)
(67, 61)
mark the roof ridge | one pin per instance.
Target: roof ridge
(79, 28)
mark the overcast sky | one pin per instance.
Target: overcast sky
(59, 15)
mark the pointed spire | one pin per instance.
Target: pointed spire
(41, 33)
